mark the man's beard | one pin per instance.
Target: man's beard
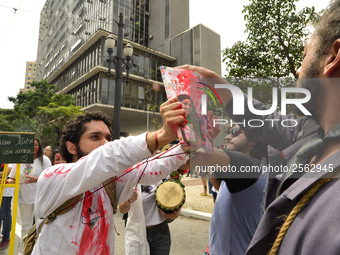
(80, 153)
(312, 83)
(242, 147)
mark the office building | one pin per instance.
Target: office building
(72, 53)
(29, 76)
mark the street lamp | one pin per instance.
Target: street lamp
(119, 62)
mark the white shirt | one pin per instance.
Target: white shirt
(88, 228)
(28, 190)
(151, 212)
(9, 192)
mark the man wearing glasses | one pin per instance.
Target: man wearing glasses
(240, 201)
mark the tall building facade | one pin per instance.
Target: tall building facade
(72, 53)
(29, 76)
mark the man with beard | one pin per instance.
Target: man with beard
(88, 228)
(304, 217)
(239, 204)
(283, 142)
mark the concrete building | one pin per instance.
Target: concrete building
(29, 76)
(198, 46)
(72, 53)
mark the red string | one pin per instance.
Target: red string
(146, 161)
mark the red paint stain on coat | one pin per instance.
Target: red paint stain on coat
(93, 240)
(61, 170)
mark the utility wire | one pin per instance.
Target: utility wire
(10, 22)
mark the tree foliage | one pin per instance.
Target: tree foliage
(276, 35)
(274, 46)
(41, 111)
(6, 120)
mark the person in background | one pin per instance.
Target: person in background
(212, 190)
(135, 234)
(238, 208)
(57, 158)
(29, 174)
(204, 179)
(48, 152)
(156, 221)
(145, 214)
(5, 213)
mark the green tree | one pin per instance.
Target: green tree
(273, 48)
(51, 119)
(6, 120)
(276, 35)
(42, 111)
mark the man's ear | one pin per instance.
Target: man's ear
(332, 64)
(71, 147)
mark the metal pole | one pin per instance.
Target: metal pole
(147, 117)
(119, 79)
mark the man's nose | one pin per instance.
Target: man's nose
(228, 138)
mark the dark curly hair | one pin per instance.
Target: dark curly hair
(75, 128)
(259, 150)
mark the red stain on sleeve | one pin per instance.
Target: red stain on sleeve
(61, 170)
(136, 166)
(74, 243)
(179, 157)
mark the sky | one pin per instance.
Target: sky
(19, 31)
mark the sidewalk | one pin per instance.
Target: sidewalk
(195, 205)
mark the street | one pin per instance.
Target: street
(189, 236)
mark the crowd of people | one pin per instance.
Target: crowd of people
(29, 174)
(300, 215)
(292, 212)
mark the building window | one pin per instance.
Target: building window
(104, 92)
(167, 19)
(147, 66)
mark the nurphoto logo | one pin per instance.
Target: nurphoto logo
(239, 104)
